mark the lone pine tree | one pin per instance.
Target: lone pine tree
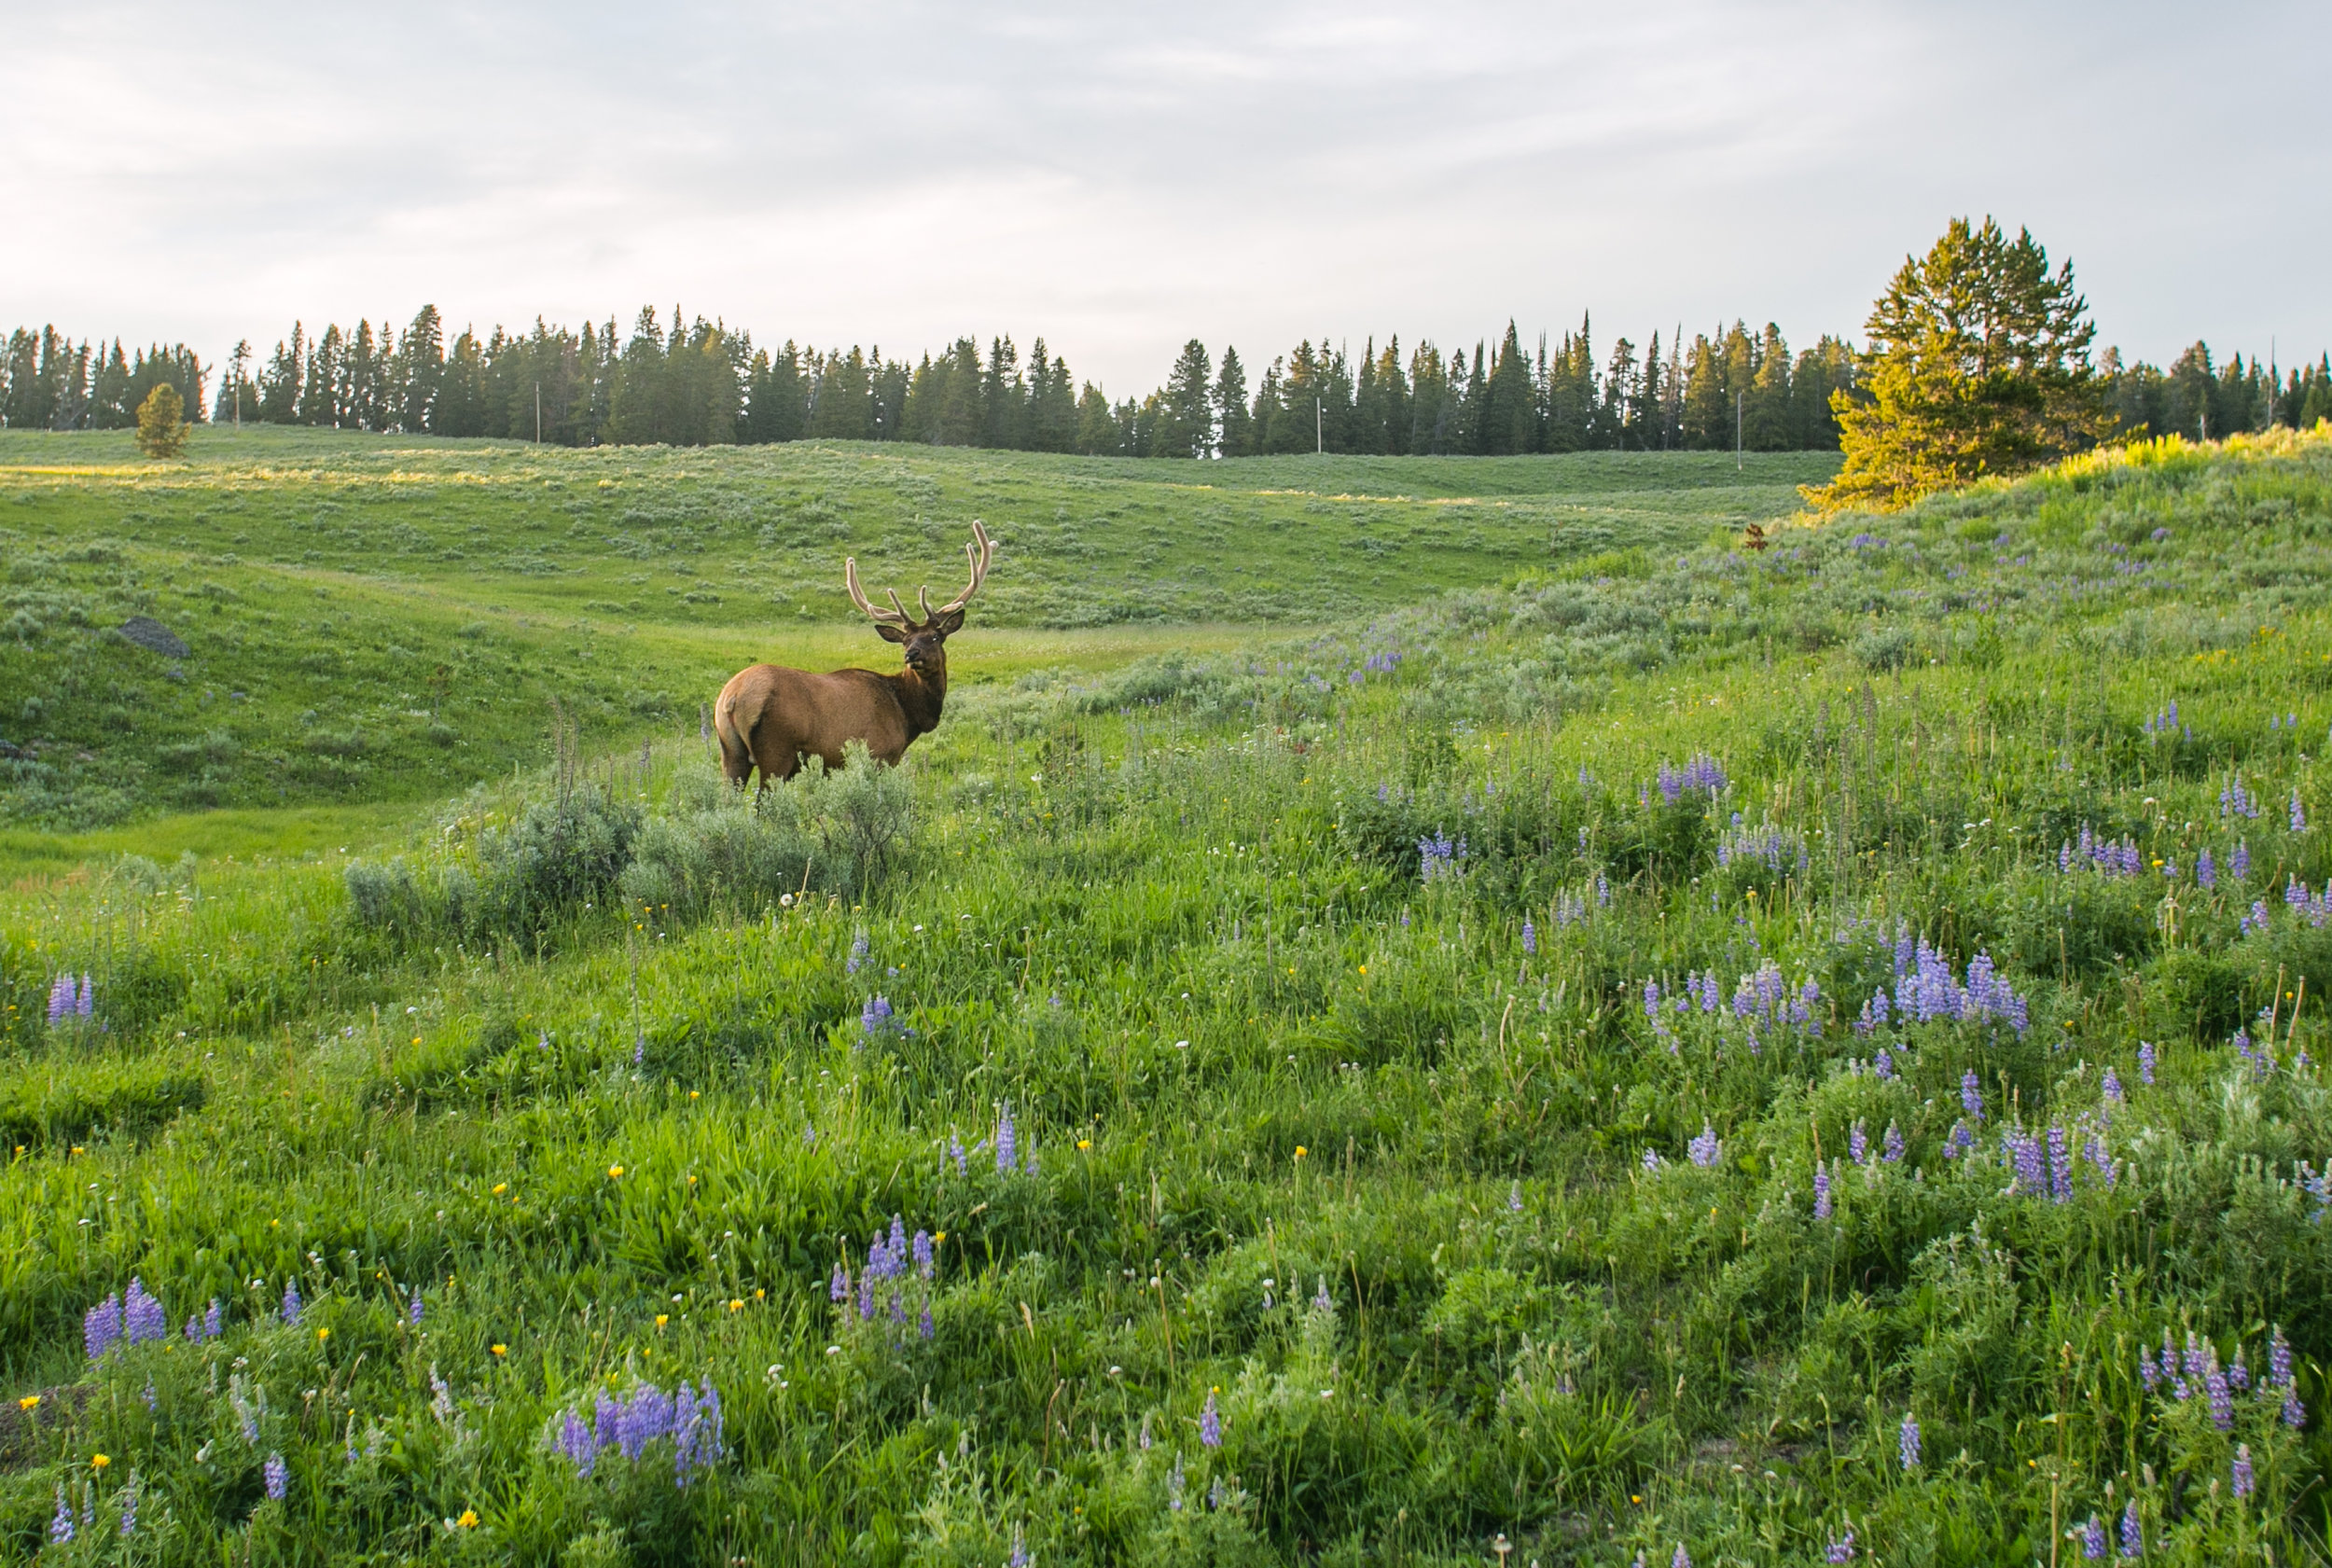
(161, 421)
(1978, 364)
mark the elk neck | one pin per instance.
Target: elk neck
(921, 695)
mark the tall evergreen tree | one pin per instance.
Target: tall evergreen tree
(1233, 417)
(1184, 423)
(422, 355)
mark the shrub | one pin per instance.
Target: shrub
(558, 856)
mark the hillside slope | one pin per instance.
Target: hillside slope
(376, 617)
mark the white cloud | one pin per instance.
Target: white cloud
(1118, 179)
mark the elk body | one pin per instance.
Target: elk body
(770, 717)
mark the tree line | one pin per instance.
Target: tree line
(48, 381)
(704, 383)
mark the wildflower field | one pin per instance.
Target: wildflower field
(1669, 1053)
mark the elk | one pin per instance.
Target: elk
(770, 717)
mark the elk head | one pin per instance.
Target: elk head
(925, 641)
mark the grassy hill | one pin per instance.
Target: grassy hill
(375, 618)
(1690, 1055)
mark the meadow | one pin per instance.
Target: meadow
(1583, 1043)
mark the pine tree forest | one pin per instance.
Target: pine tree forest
(706, 384)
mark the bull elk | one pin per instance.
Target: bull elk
(770, 717)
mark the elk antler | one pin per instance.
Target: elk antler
(979, 553)
(896, 615)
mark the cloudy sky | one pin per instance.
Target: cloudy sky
(1119, 179)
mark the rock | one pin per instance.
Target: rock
(153, 637)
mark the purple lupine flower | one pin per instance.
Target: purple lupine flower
(61, 999)
(1907, 1441)
(2300, 815)
(1704, 1150)
(578, 1443)
(1894, 1145)
(2238, 1374)
(1211, 1423)
(2206, 871)
(923, 1254)
(838, 1290)
(2112, 1085)
(2149, 1373)
(278, 1475)
(2279, 1361)
(130, 1507)
(1652, 1000)
(2094, 1539)
(1007, 1156)
(2145, 1063)
(1858, 1144)
(858, 949)
(1683, 1558)
(955, 1149)
(210, 1326)
(899, 1244)
(875, 1017)
(1841, 1550)
(1652, 1160)
(412, 1308)
(2032, 1167)
(867, 1296)
(2222, 1397)
(142, 1316)
(292, 1306)
(2132, 1534)
(1514, 1198)
(2059, 1167)
(2242, 1481)
(924, 1325)
(101, 1327)
(60, 1525)
(1972, 1096)
(684, 1430)
(1821, 1193)
(1530, 937)
(2240, 862)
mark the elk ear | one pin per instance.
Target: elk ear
(947, 623)
(888, 633)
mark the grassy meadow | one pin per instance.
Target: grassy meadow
(376, 619)
(1555, 1038)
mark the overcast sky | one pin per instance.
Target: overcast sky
(1118, 179)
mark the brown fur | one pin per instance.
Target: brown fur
(770, 717)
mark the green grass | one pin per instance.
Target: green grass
(1318, 1138)
(376, 619)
